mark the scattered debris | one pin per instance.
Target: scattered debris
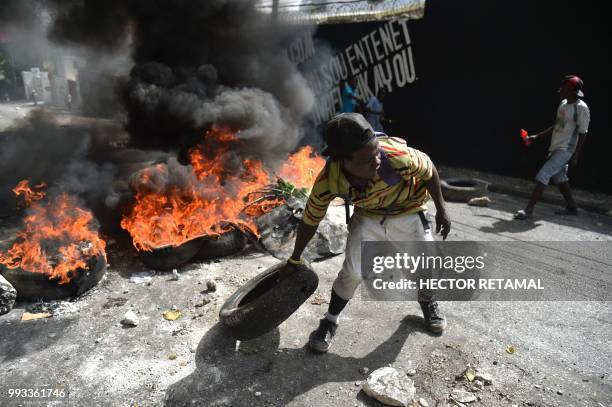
(143, 277)
(172, 355)
(478, 385)
(411, 372)
(55, 308)
(364, 370)
(389, 386)
(423, 402)
(257, 394)
(211, 286)
(560, 392)
(484, 377)
(8, 295)
(130, 319)
(204, 301)
(479, 201)
(172, 315)
(175, 275)
(511, 349)
(319, 300)
(27, 316)
(468, 374)
(114, 302)
(462, 396)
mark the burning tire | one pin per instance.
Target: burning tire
(169, 257)
(267, 300)
(226, 244)
(37, 286)
(462, 189)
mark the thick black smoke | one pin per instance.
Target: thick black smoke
(41, 150)
(197, 62)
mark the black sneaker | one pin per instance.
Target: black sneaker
(321, 339)
(434, 321)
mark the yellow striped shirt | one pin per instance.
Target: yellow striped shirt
(413, 166)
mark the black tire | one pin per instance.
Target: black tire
(462, 189)
(267, 300)
(37, 286)
(169, 257)
(227, 243)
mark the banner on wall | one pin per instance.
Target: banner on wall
(382, 58)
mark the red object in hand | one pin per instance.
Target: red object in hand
(524, 135)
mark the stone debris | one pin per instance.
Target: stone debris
(175, 275)
(423, 402)
(8, 295)
(484, 377)
(411, 372)
(130, 319)
(364, 370)
(55, 308)
(211, 286)
(479, 201)
(462, 396)
(143, 277)
(389, 386)
(278, 227)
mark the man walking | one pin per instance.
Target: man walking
(374, 109)
(568, 135)
(385, 211)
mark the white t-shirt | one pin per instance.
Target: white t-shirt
(565, 124)
(374, 106)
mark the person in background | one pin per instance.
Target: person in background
(69, 101)
(349, 96)
(374, 110)
(567, 137)
(33, 97)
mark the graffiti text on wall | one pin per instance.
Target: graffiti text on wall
(380, 59)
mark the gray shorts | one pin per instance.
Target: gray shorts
(555, 168)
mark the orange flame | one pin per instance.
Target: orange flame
(28, 194)
(210, 205)
(57, 239)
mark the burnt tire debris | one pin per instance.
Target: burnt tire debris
(197, 249)
(37, 286)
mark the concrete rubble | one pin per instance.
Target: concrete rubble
(390, 386)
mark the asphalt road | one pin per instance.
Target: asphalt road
(562, 356)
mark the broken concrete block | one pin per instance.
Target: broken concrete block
(390, 386)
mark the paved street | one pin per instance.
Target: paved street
(563, 348)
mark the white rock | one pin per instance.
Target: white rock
(364, 370)
(257, 394)
(175, 275)
(423, 402)
(462, 396)
(389, 386)
(484, 377)
(411, 372)
(130, 319)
